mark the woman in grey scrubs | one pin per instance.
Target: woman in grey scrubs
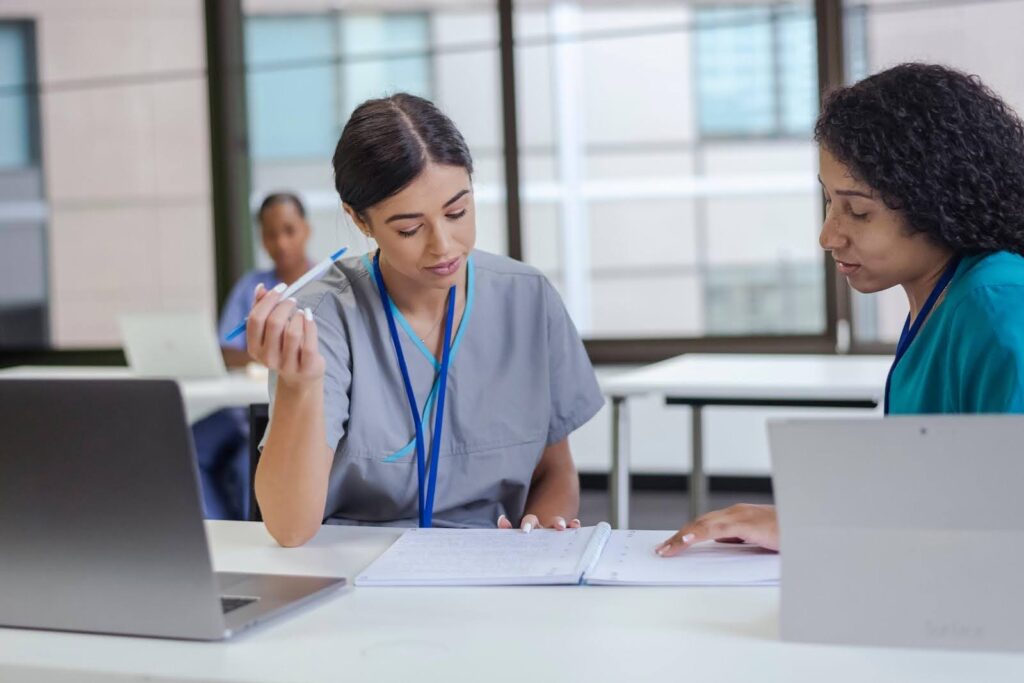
(488, 442)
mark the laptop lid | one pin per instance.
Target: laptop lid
(100, 519)
(903, 531)
(179, 345)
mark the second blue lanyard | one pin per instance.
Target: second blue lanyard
(426, 469)
(910, 330)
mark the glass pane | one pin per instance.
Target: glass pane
(977, 37)
(291, 86)
(383, 54)
(670, 205)
(735, 80)
(15, 126)
(797, 56)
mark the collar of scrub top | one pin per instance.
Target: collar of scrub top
(909, 332)
(426, 470)
(428, 406)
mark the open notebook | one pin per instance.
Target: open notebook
(594, 555)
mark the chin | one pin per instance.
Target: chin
(867, 285)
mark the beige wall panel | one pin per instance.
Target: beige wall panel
(98, 145)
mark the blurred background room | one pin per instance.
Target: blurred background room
(653, 158)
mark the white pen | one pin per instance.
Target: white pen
(312, 274)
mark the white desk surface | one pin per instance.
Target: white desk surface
(755, 377)
(571, 633)
(201, 396)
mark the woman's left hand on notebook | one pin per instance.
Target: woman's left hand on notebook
(743, 523)
(531, 522)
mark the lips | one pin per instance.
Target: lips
(845, 267)
(446, 267)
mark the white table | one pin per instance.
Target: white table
(573, 633)
(201, 396)
(700, 380)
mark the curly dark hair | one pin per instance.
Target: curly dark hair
(938, 145)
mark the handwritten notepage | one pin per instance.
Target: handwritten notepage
(629, 559)
(594, 555)
(486, 557)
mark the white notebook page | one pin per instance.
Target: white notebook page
(629, 559)
(480, 557)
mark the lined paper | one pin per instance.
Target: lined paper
(486, 557)
(629, 559)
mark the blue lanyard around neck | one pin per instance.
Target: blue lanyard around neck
(425, 470)
(910, 331)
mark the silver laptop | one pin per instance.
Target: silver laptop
(179, 345)
(904, 531)
(101, 527)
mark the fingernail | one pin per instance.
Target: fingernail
(560, 523)
(259, 286)
(500, 517)
(527, 528)
(309, 314)
(575, 520)
(660, 550)
(293, 300)
(687, 538)
(280, 287)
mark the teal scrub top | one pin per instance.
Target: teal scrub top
(969, 356)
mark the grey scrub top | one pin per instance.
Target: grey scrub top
(519, 380)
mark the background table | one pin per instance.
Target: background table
(567, 633)
(201, 396)
(699, 380)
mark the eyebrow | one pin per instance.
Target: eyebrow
(403, 216)
(848, 193)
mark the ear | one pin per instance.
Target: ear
(363, 226)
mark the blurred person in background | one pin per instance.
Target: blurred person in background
(222, 439)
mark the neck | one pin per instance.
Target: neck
(412, 298)
(290, 274)
(919, 289)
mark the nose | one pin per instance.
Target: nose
(831, 236)
(440, 240)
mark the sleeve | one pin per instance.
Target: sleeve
(575, 395)
(334, 348)
(991, 372)
(236, 307)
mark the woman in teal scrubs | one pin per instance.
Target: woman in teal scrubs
(922, 168)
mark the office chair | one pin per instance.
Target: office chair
(259, 418)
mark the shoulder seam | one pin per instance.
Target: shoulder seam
(977, 288)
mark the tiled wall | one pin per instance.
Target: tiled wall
(125, 137)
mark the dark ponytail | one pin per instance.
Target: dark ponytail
(387, 142)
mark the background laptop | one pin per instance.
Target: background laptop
(180, 345)
(100, 520)
(902, 531)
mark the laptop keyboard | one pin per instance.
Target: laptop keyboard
(229, 603)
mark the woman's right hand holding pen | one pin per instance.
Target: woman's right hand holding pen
(284, 338)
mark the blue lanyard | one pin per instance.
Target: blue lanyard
(909, 332)
(425, 470)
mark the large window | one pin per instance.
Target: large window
(23, 269)
(980, 37)
(307, 72)
(667, 166)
